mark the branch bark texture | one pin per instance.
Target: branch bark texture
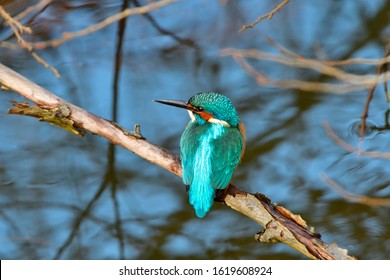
(280, 225)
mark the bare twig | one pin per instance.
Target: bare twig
(282, 49)
(30, 46)
(279, 223)
(362, 199)
(352, 61)
(66, 36)
(262, 79)
(350, 82)
(268, 15)
(345, 62)
(17, 29)
(302, 62)
(13, 22)
(40, 5)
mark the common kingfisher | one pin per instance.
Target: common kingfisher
(210, 148)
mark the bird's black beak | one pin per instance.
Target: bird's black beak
(176, 103)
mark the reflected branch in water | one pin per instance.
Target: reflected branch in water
(351, 149)
(79, 220)
(362, 199)
(381, 69)
(184, 41)
(110, 176)
(111, 171)
(18, 235)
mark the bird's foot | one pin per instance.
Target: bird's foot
(221, 194)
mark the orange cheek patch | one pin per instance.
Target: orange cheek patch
(204, 115)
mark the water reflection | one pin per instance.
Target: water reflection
(67, 197)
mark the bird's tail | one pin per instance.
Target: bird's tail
(201, 198)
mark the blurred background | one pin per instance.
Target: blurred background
(66, 197)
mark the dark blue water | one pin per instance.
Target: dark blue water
(67, 197)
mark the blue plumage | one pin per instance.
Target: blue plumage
(209, 154)
(211, 147)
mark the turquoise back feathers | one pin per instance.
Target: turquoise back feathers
(211, 147)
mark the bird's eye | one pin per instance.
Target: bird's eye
(199, 109)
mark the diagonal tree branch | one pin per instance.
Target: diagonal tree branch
(280, 225)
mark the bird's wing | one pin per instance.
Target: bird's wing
(225, 157)
(189, 143)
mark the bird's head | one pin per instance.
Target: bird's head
(208, 107)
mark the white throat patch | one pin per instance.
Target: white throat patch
(212, 120)
(191, 115)
(217, 121)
